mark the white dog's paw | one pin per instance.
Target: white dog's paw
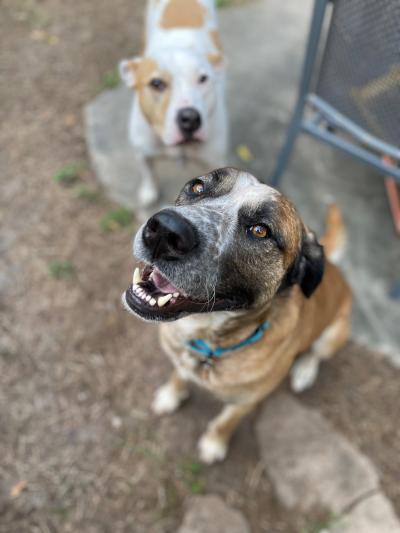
(212, 449)
(147, 195)
(304, 373)
(167, 399)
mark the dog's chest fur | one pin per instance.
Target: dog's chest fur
(296, 322)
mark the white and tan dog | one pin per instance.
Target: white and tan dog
(179, 105)
(263, 297)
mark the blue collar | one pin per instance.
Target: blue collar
(202, 348)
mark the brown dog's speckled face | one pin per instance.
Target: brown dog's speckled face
(230, 242)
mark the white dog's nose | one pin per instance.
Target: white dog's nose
(189, 121)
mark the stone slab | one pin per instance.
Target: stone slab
(373, 515)
(309, 463)
(210, 514)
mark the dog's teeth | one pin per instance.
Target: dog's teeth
(176, 294)
(148, 298)
(162, 300)
(137, 278)
(152, 301)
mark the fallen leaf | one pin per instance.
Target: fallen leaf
(38, 35)
(244, 153)
(18, 488)
(53, 39)
(70, 120)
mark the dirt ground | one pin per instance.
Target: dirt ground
(79, 449)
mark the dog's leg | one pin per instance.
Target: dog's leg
(213, 445)
(148, 191)
(305, 369)
(170, 396)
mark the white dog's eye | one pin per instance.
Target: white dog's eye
(158, 84)
(259, 231)
(203, 78)
(197, 188)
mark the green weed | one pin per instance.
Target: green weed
(61, 269)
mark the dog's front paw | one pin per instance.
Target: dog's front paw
(304, 373)
(167, 399)
(212, 449)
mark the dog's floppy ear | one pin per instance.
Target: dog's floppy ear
(127, 70)
(308, 269)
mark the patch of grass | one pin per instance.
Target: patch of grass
(191, 472)
(35, 16)
(61, 269)
(62, 512)
(83, 192)
(116, 219)
(151, 454)
(196, 487)
(228, 3)
(321, 525)
(111, 80)
(40, 19)
(69, 174)
(223, 3)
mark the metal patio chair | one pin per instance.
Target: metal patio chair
(351, 99)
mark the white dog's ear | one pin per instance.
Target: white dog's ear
(217, 60)
(127, 71)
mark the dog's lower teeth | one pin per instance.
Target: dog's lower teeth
(152, 301)
(176, 294)
(162, 300)
(148, 298)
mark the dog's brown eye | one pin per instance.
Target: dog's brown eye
(259, 231)
(203, 78)
(197, 188)
(158, 84)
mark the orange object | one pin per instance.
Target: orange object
(393, 196)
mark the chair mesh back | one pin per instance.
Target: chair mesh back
(360, 71)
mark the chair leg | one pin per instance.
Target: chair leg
(286, 151)
(308, 66)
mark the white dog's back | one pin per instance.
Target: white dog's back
(183, 23)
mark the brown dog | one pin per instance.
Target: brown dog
(252, 288)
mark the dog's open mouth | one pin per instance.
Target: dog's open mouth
(190, 140)
(153, 297)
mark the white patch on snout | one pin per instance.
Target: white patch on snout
(185, 66)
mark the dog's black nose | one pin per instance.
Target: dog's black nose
(168, 235)
(189, 120)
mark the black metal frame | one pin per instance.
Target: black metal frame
(326, 123)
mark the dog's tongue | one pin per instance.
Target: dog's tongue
(162, 284)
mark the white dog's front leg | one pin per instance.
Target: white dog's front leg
(148, 191)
